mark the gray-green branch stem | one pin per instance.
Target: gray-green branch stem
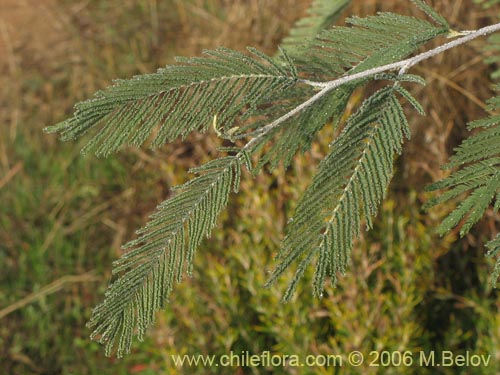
(402, 65)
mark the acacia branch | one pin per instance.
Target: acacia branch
(402, 65)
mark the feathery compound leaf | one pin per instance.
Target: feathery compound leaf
(493, 50)
(477, 181)
(479, 175)
(370, 42)
(351, 181)
(176, 100)
(431, 12)
(321, 15)
(492, 47)
(164, 248)
(298, 133)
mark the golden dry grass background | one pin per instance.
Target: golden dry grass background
(54, 53)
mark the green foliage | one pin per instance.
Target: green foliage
(477, 181)
(273, 102)
(351, 181)
(298, 133)
(492, 48)
(439, 19)
(321, 15)
(378, 306)
(164, 247)
(180, 99)
(370, 42)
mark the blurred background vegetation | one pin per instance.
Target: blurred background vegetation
(64, 216)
